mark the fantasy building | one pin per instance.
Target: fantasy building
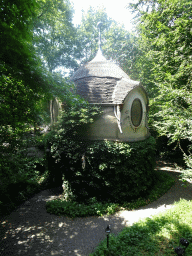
(124, 102)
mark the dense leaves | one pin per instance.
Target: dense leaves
(99, 169)
(54, 34)
(25, 89)
(165, 32)
(73, 209)
(68, 207)
(88, 32)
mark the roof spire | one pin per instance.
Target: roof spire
(99, 24)
(99, 56)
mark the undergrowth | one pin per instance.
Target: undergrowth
(74, 209)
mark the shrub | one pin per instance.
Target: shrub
(71, 208)
(108, 171)
(18, 179)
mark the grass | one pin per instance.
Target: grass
(158, 235)
(73, 209)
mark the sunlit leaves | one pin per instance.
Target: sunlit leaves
(166, 35)
(54, 34)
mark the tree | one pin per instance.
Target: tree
(88, 32)
(165, 29)
(117, 43)
(24, 83)
(54, 34)
(17, 56)
(122, 47)
(25, 88)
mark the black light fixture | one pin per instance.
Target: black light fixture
(184, 242)
(181, 250)
(108, 231)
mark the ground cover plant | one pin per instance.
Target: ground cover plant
(158, 235)
(74, 209)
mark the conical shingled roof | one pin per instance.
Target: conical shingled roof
(102, 81)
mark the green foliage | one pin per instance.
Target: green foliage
(116, 171)
(26, 87)
(54, 34)
(100, 169)
(163, 182)
(14, 22)
(15, 107)
(117, 43)
(164, 29)
(77, 114)
(69, 207)
(123, 47)
(88, 32)
(158, 235)
(18, 178)
(109, 171)
(73, 209)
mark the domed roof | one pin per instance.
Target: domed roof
(102, 81)
(99, 67)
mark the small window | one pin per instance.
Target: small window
(136, 112)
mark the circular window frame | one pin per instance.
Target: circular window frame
(141, 116)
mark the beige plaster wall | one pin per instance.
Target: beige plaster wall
(104, 127)
(129, 131)
(118, 125)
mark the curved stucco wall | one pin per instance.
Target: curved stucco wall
(104, 127)
(129, 131)
(113, 121)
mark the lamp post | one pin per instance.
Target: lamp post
(108, 231)
(180, 250)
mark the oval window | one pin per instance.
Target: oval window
(136, 112)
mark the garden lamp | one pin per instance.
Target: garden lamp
(184, 242)
(108, 231)
(180, 250)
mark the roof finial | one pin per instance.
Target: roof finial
(99, 56)
(99, 24)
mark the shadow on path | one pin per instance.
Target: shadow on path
(31, 231)
(178, 191)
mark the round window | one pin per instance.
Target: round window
(136, 112)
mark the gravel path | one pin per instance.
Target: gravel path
(31, 231)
